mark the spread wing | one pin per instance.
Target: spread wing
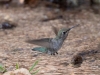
(45, 42)
(55, 30)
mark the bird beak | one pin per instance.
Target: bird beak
(72, 27)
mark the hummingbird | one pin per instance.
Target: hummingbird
(51, 45)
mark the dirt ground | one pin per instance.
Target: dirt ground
(14, 49)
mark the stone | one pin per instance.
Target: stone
(21, 71)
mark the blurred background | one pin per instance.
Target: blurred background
(62, 4)
(33, 19)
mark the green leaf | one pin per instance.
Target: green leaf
(2, 68)
(35, 72)
(33, 66)
(17, 66)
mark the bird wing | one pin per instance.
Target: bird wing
(45, 42)
(55, 30)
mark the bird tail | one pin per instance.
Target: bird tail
(40, 49)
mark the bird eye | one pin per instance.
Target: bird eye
(64, 32)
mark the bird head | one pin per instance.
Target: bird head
(63, 33)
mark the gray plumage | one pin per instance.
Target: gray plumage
(51, 45)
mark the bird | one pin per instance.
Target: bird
(51, 45)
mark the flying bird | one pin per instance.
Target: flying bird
(51, 45)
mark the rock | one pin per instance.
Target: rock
(77, 60)
(21, 71)
(9, 23)
(9, 73)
